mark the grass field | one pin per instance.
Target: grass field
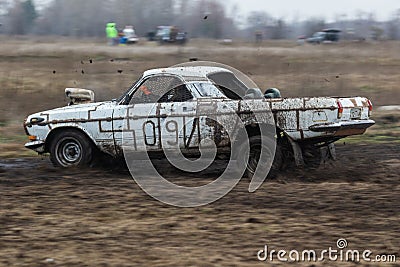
(35, 72)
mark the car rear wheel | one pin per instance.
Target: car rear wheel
(258, 144)
(312, 157)
(71, 148)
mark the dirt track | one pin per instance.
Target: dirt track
(52, 217)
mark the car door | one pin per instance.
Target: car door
(178, 123)
(154, 117)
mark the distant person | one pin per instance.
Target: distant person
(112, 33)
(301, 40)
(109, 34)
(173, 34)
(259, 37)
(115, 34)
(122, 40)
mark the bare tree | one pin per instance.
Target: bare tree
(74, 18)
(22, 15)
(259, 25)
(313, 25)
(377, 33)
(200, 18)
(4, 6)
(279, 30)
(393, 26)
(259, 20)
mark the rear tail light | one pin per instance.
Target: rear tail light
(340, 109)
(370, 107)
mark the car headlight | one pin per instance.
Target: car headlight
(35, 121)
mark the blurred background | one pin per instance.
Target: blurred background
(100, 217)
(358, 20)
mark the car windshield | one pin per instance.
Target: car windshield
(319, 34)
(164, 31)
(127, 92)
(206, 89)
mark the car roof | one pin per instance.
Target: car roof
(200, 72)
(332, 30)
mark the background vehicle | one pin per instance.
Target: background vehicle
(170, 34)
(328, 35)
(130, 35)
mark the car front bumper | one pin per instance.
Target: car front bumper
(37, 146)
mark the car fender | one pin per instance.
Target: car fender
(57, 127)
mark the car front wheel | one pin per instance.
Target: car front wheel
(71, 148)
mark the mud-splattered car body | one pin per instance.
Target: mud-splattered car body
(178, 115)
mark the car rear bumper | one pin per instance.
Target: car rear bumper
(37, 146)
(345, 128)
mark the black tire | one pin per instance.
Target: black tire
(312, 157)
(71, 148)
(288, 161)
(255, 144)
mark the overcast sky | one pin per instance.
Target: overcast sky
(289, 9)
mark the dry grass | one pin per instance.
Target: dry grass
(386, 130)
(35, 72)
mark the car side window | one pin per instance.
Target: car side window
(177, 94)
(154, 88)
(229, 84)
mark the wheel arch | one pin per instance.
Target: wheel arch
(55, 131)
(279, 134)
(254, 129)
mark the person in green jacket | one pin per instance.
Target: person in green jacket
(112, 33)
(108, 33)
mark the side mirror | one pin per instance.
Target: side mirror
(79, 96)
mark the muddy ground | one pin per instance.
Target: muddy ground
(100, 217)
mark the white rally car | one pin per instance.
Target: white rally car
(170, 106)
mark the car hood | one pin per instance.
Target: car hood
(70, 112)
(81, 107)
